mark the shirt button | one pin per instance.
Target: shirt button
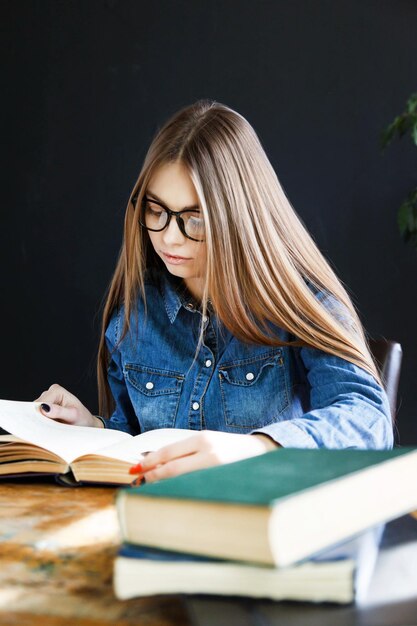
(196, 406)
(208, 363)
(250, 376)
(149, 385)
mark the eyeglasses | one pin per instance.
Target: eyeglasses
(156, 217)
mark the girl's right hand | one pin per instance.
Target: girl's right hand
(65, 407)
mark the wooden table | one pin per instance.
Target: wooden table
(56, 559)
(57, 547)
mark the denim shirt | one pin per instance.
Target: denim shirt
(301, 397)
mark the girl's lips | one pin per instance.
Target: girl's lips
(175, 260)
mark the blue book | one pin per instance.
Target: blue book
(340, 575)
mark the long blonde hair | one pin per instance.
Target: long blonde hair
(271, 262)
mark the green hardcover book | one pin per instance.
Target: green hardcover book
(277, 508)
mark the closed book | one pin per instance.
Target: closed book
(274, 509)
(338, 575)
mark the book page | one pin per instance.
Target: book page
(24, 420)
(132, 450)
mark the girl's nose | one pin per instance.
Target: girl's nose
(172, 234)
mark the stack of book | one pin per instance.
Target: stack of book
(290, 524)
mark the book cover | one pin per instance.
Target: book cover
(276, 508)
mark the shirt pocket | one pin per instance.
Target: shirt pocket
(154, 393)
(253, 391)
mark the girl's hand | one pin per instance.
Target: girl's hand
(204, 449)
(64, 407)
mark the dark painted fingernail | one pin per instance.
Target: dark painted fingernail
(45, 407)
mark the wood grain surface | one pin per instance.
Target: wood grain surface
(57, 546)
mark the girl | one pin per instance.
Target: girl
(223, 316)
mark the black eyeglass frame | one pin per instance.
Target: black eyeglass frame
(171, 213)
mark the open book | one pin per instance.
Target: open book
(34, 444)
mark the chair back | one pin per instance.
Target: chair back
(388, 357)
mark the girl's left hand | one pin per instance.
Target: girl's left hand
(205, 449)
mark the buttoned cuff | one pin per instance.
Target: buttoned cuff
(288, 435)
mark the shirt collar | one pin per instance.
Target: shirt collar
(175, 295)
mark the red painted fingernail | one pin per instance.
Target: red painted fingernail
(136, 469)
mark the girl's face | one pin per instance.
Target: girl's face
(172, 187)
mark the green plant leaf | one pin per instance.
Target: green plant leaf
(414, 132)
(388, 135)
(400, 125)
(390, 131)
(407, 213)
(412, 103)
(404, 124)
(407, 218)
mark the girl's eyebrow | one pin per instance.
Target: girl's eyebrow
(148, 192)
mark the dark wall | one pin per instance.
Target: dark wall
(86, 84)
